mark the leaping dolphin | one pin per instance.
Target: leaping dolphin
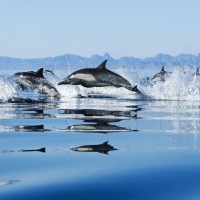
(159, 76)
(98, 77)
(36, 81)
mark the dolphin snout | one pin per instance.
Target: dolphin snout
(66, 81)
(61, 83)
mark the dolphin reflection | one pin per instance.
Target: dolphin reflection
(43, 150)
(98, 112)
(98, 120)
(30, 128)
(34, 114)
(98, 125)
(100, 148)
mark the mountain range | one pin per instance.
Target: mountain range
(75, 61)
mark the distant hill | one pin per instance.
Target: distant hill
(75, 61)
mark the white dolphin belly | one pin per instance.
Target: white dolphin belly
(86, 77)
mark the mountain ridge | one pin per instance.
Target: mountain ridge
(74, 61)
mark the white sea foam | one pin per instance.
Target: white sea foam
(7, 89)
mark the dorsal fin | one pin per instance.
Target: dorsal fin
(197, 71)
(102, 66)
(39, 73)
(105, 143)
(163, 70)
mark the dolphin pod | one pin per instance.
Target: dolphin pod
(87, 77)
(98, 77)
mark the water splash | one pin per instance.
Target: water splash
(7, 89)
(182, 84)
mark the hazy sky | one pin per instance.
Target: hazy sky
(138, 28)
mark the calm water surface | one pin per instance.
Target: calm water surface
(94, 148)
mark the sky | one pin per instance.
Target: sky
(138, 28)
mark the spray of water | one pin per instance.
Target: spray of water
(181, 84)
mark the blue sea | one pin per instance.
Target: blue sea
(102, 143)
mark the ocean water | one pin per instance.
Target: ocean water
(109, 144)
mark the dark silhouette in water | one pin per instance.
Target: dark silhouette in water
(100, 148)
(101, 124)
(34, 114)
(98, 77)
(31, 128)
(43, 150)
(98, 120)
(95, 112)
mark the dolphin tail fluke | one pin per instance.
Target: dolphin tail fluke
(135, 89)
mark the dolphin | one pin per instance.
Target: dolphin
(36, 81)
(197, 72)
(49, 72)
(98, 77)
(101, 148)
(160, 76)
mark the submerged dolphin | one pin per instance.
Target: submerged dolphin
(101, 148)
(36, 81)
(160, 76)
(98, 77)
